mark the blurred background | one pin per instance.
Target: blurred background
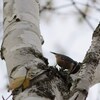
(66, 26)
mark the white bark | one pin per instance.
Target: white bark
(21, 36)
(22, 41)
(21, 49)
(89, 72)
(96, 78)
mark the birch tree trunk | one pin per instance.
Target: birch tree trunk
(30, 77)
(29, 74)
(21, 47)
(89, 73)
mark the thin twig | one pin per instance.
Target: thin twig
(94, 7)
(83, 15)
(62, 6)
(55, 8)
(9, 96)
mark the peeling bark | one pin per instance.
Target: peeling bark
(29, 74)
(21, 46)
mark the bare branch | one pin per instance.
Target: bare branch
(54, 8)
(83, 15)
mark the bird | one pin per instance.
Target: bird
(68, 63)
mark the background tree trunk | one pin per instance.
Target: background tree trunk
(29, 75)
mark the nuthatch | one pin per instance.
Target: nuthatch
(66, 62)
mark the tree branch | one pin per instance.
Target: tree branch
(90, 63)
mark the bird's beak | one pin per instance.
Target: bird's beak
(53, 53)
